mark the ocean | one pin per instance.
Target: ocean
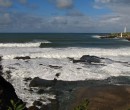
(56, 49)
(64, 40)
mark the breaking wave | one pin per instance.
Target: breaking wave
(61, 52)
(30, 44)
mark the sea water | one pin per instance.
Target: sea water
(55, 49)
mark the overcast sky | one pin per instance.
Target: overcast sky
(64, 15)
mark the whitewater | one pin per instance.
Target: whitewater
(116, 63)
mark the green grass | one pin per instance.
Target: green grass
(83, 105)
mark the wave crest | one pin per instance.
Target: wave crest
(31, 44)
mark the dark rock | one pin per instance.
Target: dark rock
(41, 91)
(23, 58)
(79, 68)
(54, 105)
(26, 61)
(54, 81)
(78, 61)
(55, 67)
(30, 90)
(37, 103)
(7, 93)
(88, 59)
(0, 58)
(1, 67)
(33, 108)
(40, 64)
(36, 82)
(57, 74)
(1, 70)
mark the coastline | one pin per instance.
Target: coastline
(51, 78)
(125, 35)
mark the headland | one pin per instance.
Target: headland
(117, 35)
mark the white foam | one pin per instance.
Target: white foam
(96, 36)
(58, 57)
(33, 44)
(10, 53)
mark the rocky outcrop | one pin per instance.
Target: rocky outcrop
(37, 82)
(63, 89)
(7, 93)
(94, 60)
(88, 59)
(23, 58)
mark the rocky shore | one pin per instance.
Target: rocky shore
(108, 94)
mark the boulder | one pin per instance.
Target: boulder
(88, 59)
(55, 67)
(37, 82)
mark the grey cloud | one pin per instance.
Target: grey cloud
(18, 22)
(119, 17)
(114, 1)
(25, 23)
(5, 19)
(6, 3)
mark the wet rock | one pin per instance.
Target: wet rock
(57, 74)
(41, 91)
(40, 64)
(1, 70)
(37, 103)
(88, 59)
(26, 61)
(37, 82)
(1, 67)
(23, 58)
(55, 67)
(33, 108)
(79, 68)
(0, 58)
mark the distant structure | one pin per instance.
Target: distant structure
(125, 30)
(121, 35)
